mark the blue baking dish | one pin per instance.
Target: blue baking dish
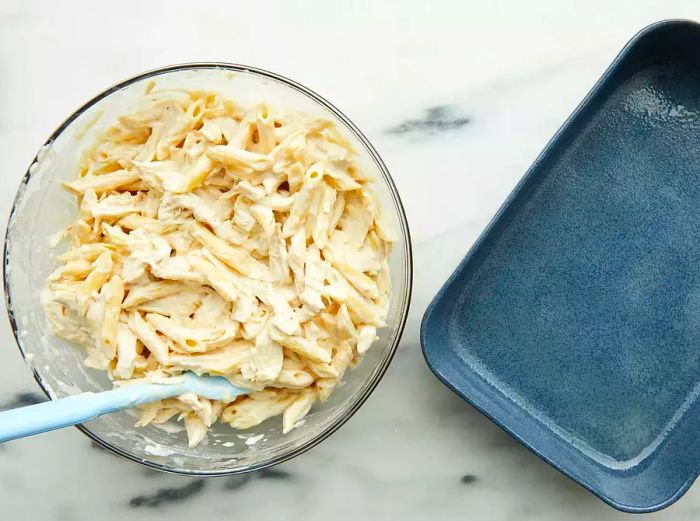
(574, 320)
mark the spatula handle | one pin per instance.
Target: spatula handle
(55, 414)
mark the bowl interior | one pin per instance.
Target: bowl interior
(42, 208)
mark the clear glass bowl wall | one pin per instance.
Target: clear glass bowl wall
(42, 208)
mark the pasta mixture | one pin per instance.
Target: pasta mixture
(223, 241)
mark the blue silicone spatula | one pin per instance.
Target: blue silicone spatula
(64, 412)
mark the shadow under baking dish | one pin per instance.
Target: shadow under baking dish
(574, 321)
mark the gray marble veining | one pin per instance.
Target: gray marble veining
(458, 97)
(436, 119)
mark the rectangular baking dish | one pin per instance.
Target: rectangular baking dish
(574, 321)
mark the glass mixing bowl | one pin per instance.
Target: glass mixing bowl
(42, 207)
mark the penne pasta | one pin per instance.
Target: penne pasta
(265, 127)
(241, 242)
(256, 408)
(102, 183)
(158, 347)
(100, 273)
(151, 291)
(112, 294)
(299, 408)
(215, 277)
(127, 352)
(301, 346)
(189, 339)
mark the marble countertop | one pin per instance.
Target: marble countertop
(463, 93)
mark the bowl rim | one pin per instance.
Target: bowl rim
(405, 296)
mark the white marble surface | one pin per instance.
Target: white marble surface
(515, 72)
